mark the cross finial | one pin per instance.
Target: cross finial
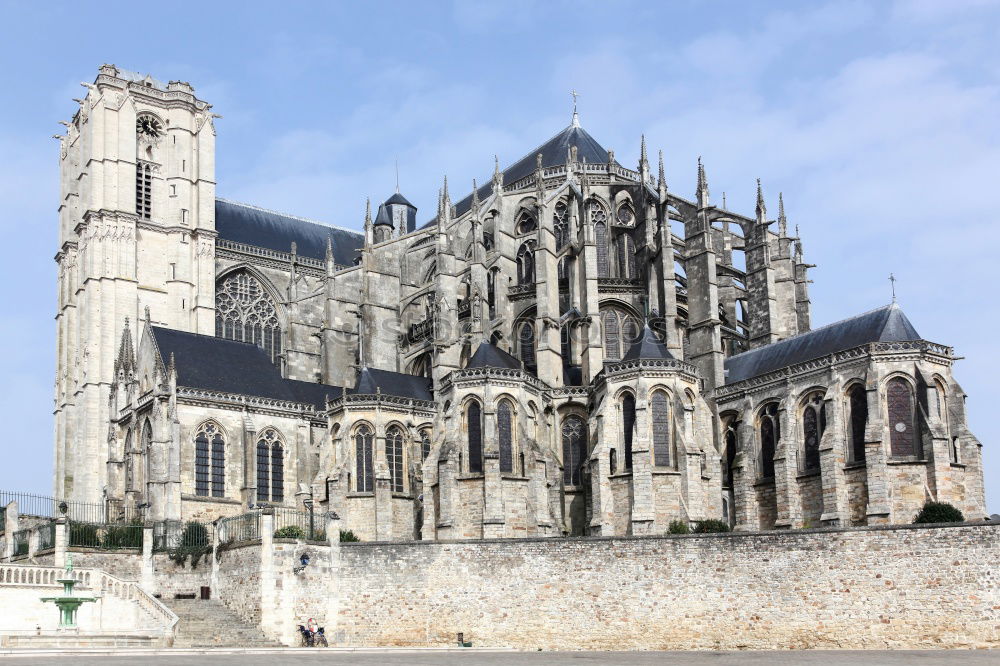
(576, 118)
(397, 176)
(892, 281)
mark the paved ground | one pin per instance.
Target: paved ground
(398, 658)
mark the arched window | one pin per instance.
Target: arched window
(209, 461)
(560, 225)
(902, 433)
(813, 425)
(505, 433)
(628, 426)
(245, 312)
(599, 219)
(129, 462)
(425, 444)
(526, 344)
(525, 264)
(857, 399)
(729, 455)
(394, 457)
(626, 256)
(660, 408)
(363, 455)
(270, 467)
(574, 446)
(613, 461)
(625, 215)
(621, 331)
(526, 223)
(144, 189)
(770, 433)
(474, 425)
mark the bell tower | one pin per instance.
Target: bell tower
(136, 230)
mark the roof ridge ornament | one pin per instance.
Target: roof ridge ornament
(576, 116)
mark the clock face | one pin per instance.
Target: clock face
(148, 126)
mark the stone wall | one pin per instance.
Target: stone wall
(895, 587)
(173, 579)
(236, 577)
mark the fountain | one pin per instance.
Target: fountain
(68, 604)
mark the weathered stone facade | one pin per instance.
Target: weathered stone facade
(571, 349)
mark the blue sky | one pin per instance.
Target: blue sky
(878, 121)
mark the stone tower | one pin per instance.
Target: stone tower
(136, 231)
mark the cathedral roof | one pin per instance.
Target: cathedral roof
(488, 355)
(383, 216)
(217, 364)
(647, 347)
(553, 154)
(373, 380)
(243, 223)
(886, 324)
(398, 198)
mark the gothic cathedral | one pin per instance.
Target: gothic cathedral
(569, 349)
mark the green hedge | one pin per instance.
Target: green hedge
(939, 512)
(711, 525)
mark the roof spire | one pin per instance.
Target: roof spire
(761, 208)
(497, 176)
(475, 198)
(702, 185)
(643, 161)
(642, 149)
(892, 281)
(782, 221)
(397, 175)
(368, 222)
(661, 184)
(576, 117)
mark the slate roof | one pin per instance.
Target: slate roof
(372, 380)
(647, 347)
(217, 364)
(488, 355)
(243, 223)
(886, 324)
(553, 153)
(383, 215)
(398, 198)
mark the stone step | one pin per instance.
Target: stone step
(209, 623)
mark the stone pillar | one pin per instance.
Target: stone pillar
(786, 491)
(10, 526)
(33, 542)
(879, 508)
(383, 492)
(270, 623)
(642, 467)
(831, 462)
(62, 541)
(745, 505)
(147, 579)
(332, 579)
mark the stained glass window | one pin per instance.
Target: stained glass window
(612, 344)
(394, 457)
(263, 472)
(661, 429)
(365, 479)
(245, 312)
(425, 444)
(770, 432)
(526, 344)
(628, 426)
(574, 442)
(504, 428)
(859, 419)
(560, 225)
(902, 438)
(474, 422)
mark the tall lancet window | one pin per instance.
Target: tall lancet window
(626, 257)
(600, 220)
(661, 429)
(813, 425)
(858, 405)
(474, 426)
(270, 467)
(628, 427)
(560, 225)
(209, 462)
(902, 433)
(505, 431)
(770, 433)
(245, 312)
(363, 459)
(148, 132)
(574, 442)
(394, 457)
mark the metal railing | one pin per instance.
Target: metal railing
(46, 536)
(84, 512)
(3, 518)
(294, 524)
(245, 527)
(21, 542)
(174, 535)
(105, 536)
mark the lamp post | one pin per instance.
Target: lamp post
(309, 507)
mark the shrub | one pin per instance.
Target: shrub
(194, 543)
(678, 527)
(290, 532)
(123, 536)
(939, 512)
(711, 525)
(348, 536)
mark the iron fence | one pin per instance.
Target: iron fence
(21, 542)
(175, 535)
(84, 512)
(245, 527)
(46, 536)
(294, 524)
(115, 536)
(3, 519)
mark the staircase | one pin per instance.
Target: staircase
(211, 624)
